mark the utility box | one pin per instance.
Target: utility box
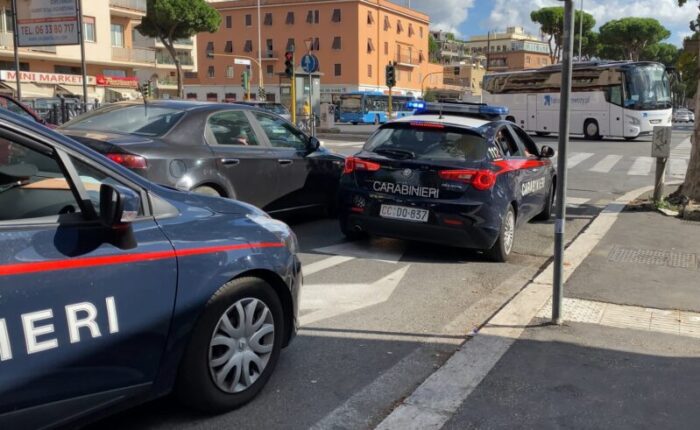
(327, 115)
(661, 142)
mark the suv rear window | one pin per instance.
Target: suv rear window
(421, 142)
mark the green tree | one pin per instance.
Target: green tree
(433, 49)
(631, 36)
(169, 20)
(665, 53)
(551, 21)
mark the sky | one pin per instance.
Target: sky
(472, 17)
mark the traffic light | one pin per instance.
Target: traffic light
(261, 93)
(245, 80)
(390, 74)
(289, 63)
(146, 89)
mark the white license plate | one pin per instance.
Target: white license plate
(404, 213)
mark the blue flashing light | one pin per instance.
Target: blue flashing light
(416, 104)
(493, 110)
(457, 108)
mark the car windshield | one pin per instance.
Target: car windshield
(428, 142)
(275, 108)
(647, 88)
(351, 103)
(132, 119)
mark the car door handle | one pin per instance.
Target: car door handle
(284, 162)
(230, 161)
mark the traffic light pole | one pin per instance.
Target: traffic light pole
(294, 94)
(390, 104)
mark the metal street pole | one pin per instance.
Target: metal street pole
(260, 84)
(580, 31)
(560, 219)
(82, 53)
(16, 39)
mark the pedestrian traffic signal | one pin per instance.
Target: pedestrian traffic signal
(390, 73)
(245, 80)
(289, 64)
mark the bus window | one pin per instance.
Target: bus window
(614, 95)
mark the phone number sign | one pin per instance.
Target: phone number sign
(47, 22)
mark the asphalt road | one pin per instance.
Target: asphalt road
(379, 316)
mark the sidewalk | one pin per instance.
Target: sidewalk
(627, 356)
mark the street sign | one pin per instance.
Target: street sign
(47, 23)
(661, 142)
(309, 63)
(241, 61)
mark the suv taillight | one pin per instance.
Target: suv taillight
(129, 161)
(353, 164)
(482, 179)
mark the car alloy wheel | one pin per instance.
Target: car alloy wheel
(241, 345)
(508, 232)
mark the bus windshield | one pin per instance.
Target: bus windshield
(351, 103)
(647, 87)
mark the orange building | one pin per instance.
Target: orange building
(353, 40)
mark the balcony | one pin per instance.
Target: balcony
(268, 55)
(407, 60)
(165, 58)
(133, 55)
(128, 8)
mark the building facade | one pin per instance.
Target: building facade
(353, 40)
(117, 57)
(465, 76)
(511, 50)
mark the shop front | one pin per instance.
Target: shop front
(38, 85)
(119, 88)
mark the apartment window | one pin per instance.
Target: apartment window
(421, 57)
(210, 72)
(66, 70)
(387, 23)
(270, 70)
(229, 72)
(420, 32)
(10, 65)
(229, 21)
(229, 47)
(399, 27)
(315, 46)
(89, 28)
(316, 16)
(312, 17)
(290, 44)
(338, 70)
(370, 18)
(212, 97)
(268, 19)
(336, 15)
(410, 76)
(370, 46)
(337, 43)
(410, 30)
(386, 48)
(210, 48)
(191, 96)
(290, 18)
(229, 96)
(268, 44)
(369, 70)
(248, 47)
(248, 20)
(7, 20)
(527, 59)
(117, 35)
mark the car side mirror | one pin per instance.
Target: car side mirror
(314, 144)
(119, 206)
(546, 152)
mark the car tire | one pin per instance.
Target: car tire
(207, 191)
(225, 319)
(546, 213)
(349, 232)
(591, 130)
(500, 251)
(354, 123)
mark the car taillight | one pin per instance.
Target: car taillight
(129, 161)
(480, 179)
(353, 164)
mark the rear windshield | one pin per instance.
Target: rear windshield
(275, 108)
(132, 119)
(427, 143)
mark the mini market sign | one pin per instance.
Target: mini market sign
(45, 78)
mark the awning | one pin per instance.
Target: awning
(31, 90)
(76, 90)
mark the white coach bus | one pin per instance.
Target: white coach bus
(615, 99)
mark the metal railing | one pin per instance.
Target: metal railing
(151, 42)
(407, 59)
(139, 5)
(134, 55)
(165, 58)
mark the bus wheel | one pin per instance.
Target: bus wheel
(354, 123)
(591, 130)
(376, 119)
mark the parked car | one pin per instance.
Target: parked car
(683, 115)
(115, 291)
(226, 150)
(11, 104)
(276, 108)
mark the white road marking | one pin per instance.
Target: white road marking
(330, 300)
(576, 158)
(575, 201)
(387, 250)
(606, 164)
(434, 402)
(641, 166)
(677, 168)
(324, 264)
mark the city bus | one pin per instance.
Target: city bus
(370, 107)
(614, 99)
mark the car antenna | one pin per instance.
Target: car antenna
(440, 116)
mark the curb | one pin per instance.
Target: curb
(439, 397)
